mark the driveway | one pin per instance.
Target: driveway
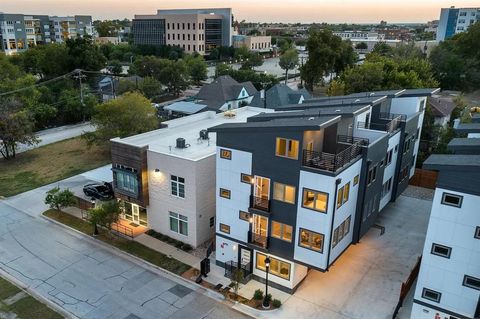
(87, 279)
(364, 283)
(58, 134)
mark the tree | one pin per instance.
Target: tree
(383, 49)
(197, 68)
(288, 61)
(361, 46)
(127, 115)
(237, 277)
(105, 214)
(150, 87)
(71, 108)
(336, 88)
(115, 67)
(253, 60)
(58, 199)
(85, 54)
(106, 28)
(175, 76)
(16, 126)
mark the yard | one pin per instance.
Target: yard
(49, 163)
(14, 303)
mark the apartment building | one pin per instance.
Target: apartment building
(448, 285)
(253, 43)
(165, 179)
(18, 32)
(302, 184)
(193, 30)
(456, 20)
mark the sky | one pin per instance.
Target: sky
(305, 11)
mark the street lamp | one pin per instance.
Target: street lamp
(267, 266)
(95, 230)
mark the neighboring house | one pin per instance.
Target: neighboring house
(302, 184)
(470, 129)
(165, 179)
(193, 30)
(108, 85)
(224, 93)
(183, 108)
(456, 20)
(18, 32)
(448, 284)
(442, 107)
(278, 95)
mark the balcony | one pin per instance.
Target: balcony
(349, 148)
(387, 122)
(260, 203)
(257, 239)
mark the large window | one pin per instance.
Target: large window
(343, 194)
(452, 200)
(431, 294)
(372, 175)
(126, 181)
(311, 240)
(315, 200)
(440, 250)
(277, 267)
(287, 148)
(341, 231)
(179, 223)
(389, 157)
(284, 193)
(178, 186)
(387, 186)
(281, 231)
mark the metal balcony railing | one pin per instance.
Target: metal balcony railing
(257, 239)
(260, 203)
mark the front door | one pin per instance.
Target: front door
(136, 214)
(245, 256)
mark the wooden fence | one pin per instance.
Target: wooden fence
(424, 178)
(407, 285)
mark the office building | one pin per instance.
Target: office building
(456, 20)
(302, 184)
(193, 30)
(253, 43)
(18, 32)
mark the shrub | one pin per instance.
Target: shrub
(276, 303)
(258, 294)
(187, 247)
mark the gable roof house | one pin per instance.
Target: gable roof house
(225, 93)
(280, 94)
(442, 107)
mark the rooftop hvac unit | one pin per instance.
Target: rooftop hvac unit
(204, 135)
(181, 143)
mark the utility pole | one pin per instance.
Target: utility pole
(79, 76)
(301, 79)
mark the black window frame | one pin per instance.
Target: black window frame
(247, 215)
(312, 233)
(477, 233)
(243, 175)
(460, 197)
(436, 253)
(229, 157)
(227, 190)
(223, 231)
(426, 290)
(212, 221)
(466, 277)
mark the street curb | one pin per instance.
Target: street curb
(47, 302)
(139, 261)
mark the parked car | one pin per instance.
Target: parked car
(99, 191)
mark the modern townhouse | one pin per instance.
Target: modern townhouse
(193, 30)
(18, 32)
(165, 179)
(448, 285)
(302, 184)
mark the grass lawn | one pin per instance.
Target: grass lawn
(126, 245)
(26, 307)
(48, 164)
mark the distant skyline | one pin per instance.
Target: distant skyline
(305, 11)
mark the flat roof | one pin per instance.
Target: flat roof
(458, 162)
(185, 107)
(468, 128)
(317, 111)
(334, 102)
(464, 142)
(164, 140)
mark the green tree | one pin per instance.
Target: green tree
(106, 28)
(127, 115)
(237, 277)
(126, 86)
(361, 46)
(336, 88)
(105, 214)
(382, 48)
(253, 60)
(115, 67)
(58, 199)
(288, 61)
(150, 87)
(175, 76)
(197, 68)
(16, 126)
(71, 108)
(85, 54)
